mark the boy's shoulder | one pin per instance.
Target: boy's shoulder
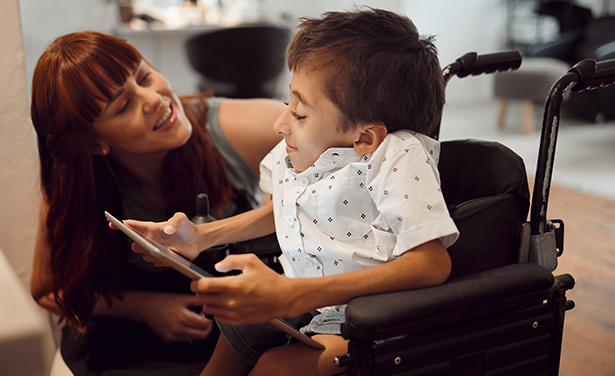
(405, 138)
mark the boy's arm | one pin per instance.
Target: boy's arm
(188, 239)
(259, 294)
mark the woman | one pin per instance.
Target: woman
(114, 136)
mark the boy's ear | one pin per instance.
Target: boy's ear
(370, 138)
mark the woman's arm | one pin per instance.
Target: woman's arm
(259, 294)
(248, 125)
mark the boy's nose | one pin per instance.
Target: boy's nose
(281, 126)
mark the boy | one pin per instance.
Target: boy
(355, 195)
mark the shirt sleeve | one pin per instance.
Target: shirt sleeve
(409, 200)
(266, 167)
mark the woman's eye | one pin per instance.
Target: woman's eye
(124, 107)
(146, 77)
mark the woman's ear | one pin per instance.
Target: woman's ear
(370, 138)
(102, 149)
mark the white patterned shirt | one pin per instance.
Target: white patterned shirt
(348, 211)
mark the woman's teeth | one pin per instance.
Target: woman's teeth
(164, 118)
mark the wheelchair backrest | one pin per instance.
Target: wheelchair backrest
(485, 186)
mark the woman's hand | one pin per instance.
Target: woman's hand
(170, 317)
(257, 295)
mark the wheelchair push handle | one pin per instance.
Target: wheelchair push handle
(585, 75)
(474, 64)
(592, 75)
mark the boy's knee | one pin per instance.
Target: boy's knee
(300, 360)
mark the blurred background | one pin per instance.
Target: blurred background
(460, 26)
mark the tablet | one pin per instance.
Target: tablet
(159, 251)
(192, 271)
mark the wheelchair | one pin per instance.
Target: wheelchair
(501, 312)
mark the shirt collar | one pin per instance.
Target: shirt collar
(332, 158)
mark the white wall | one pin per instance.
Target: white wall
(19, 168)
(461, 27)
(26, 343)
(45, 20)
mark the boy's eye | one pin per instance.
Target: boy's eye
(297, 116)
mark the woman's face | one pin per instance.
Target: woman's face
(144, 117)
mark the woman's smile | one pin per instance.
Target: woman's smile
(166, 120)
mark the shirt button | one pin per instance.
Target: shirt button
(290, 221)
(305, 181)
(308, 262)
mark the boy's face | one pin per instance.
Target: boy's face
(310, 125)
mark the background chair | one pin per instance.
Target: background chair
(239, 62)
(593, 39)
(529, 84)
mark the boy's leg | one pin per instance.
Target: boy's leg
(224, 361)
(299, 359)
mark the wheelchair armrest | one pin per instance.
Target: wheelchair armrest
(397, 313)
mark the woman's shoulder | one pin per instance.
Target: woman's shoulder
(197, 106)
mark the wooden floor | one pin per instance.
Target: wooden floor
(589, 256)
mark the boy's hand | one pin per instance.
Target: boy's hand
(178, 234)
(257, 295)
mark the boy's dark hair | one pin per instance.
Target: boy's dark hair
(376, 66)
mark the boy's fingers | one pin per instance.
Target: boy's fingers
(137, 248)
(176, 222)
(146, 256)
(209, 286)
(234, 262)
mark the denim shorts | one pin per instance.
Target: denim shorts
(249, 342)
(328, 321)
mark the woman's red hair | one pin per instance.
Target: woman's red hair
(75, 72)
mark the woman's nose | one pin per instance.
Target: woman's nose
(281, 126)
(151, 100)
